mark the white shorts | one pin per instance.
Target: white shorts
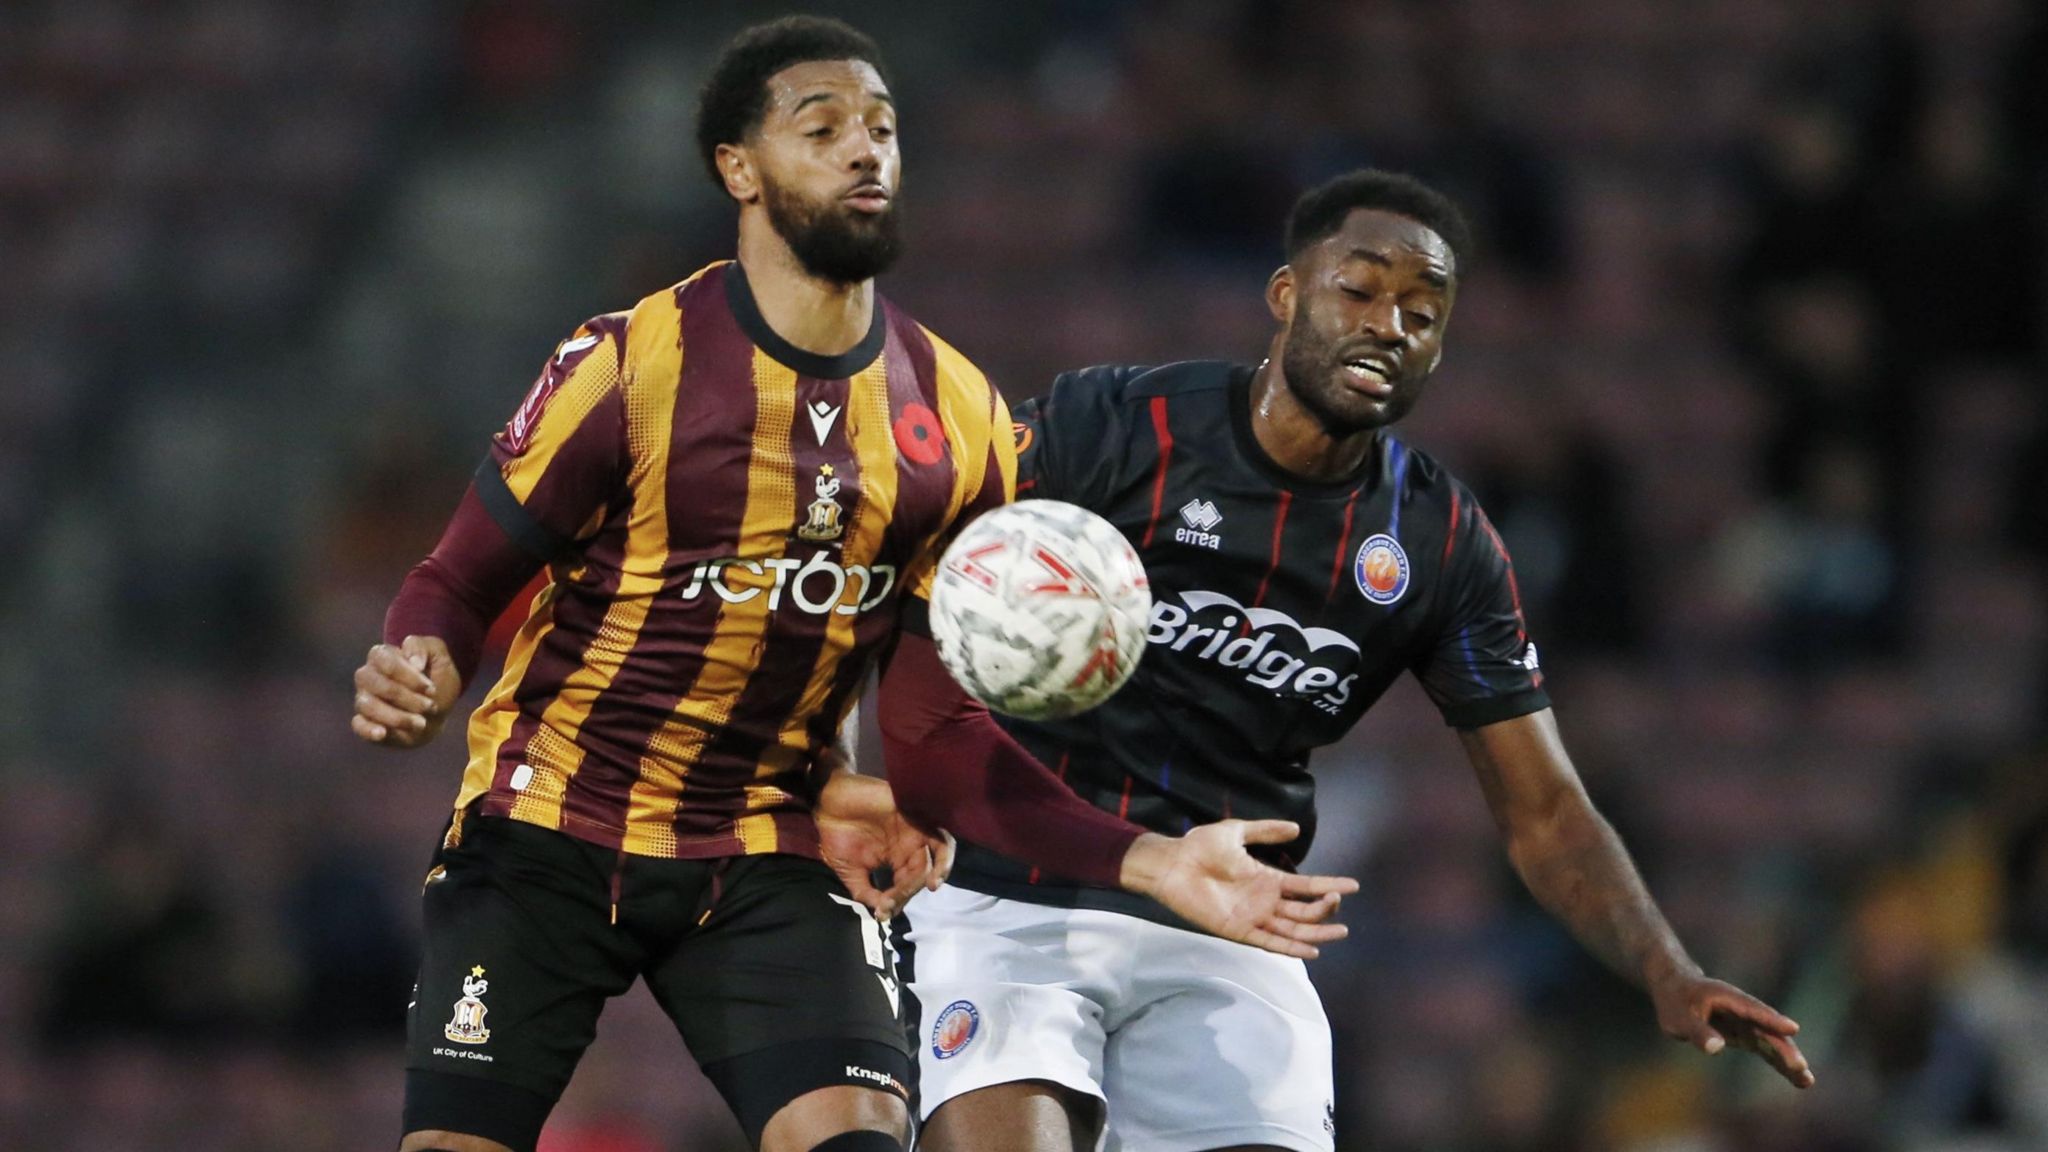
(1193, 1042)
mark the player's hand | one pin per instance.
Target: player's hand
(1711, 1015)
(1209, 879)
(404, 694)
(881, 856)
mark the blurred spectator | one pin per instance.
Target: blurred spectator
(1559, 500)
(1956, 245)
(1820, 565)
(142, 949)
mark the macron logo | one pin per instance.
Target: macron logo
(822, 417)
(1200, 516)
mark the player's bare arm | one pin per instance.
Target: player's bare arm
(1576, 866)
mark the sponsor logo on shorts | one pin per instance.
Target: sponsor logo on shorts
(467, 1025)
(856, 1072)
(959, 1023)
(1381, 569)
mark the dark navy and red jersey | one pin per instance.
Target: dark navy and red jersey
(1282, 607)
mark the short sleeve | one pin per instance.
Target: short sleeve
(1480, 667)
(558, 463)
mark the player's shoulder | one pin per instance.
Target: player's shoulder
(1111, 394)
(959, 385)
(952, 365)
(1110, 385)
(1427, 481)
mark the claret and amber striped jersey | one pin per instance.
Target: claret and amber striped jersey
(729, 524)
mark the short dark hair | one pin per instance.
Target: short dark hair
(1322, 210)
(735, 96)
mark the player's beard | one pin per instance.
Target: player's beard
(1312, 368)
(832, 241)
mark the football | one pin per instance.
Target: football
(1039, 609)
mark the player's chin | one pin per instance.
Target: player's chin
(1359, 412)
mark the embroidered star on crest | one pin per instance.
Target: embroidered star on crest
(477, 971)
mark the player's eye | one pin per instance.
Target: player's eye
(1422, 320)
(882, 132)
(822, 132)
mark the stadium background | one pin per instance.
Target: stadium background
(1750, 377)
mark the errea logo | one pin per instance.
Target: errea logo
(1200, 516)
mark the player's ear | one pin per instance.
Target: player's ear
(1280, 293)
(736, 168)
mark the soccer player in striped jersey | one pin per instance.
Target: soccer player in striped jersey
(738, 489)
(1301, 558)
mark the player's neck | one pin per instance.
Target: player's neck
(815, 315)
(1293, 438)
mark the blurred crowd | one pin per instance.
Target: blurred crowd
(1749, 372)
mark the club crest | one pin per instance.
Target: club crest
(467, 1025)
(825, 514)
(1381, 569)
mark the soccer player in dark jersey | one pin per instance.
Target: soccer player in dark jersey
(1301, 557)
(738, 490)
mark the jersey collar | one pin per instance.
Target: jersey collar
(739, 296)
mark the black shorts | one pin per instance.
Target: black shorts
(528, 932)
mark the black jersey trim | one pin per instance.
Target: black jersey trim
(739, 296)
(1494, 709)
(540, 541)
(1255, 454)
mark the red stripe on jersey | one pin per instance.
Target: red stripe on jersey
(1123, 806)
(1026, 485)
(1279, 525)
(1343, 550)
(1165, 436)
(1451, 533)
(1514, 589)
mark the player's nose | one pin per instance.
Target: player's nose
(1380, 321)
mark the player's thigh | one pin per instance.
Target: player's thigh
(1017, 1116)
(823, 1113)
(1005, 992)
(1232, 1049)
(518, 959)
(787, 988)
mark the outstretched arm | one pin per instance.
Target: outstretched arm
(952, 767)
(1578, 869)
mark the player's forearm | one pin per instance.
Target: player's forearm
(952, 767)
(455, 593)
(1578, 869)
